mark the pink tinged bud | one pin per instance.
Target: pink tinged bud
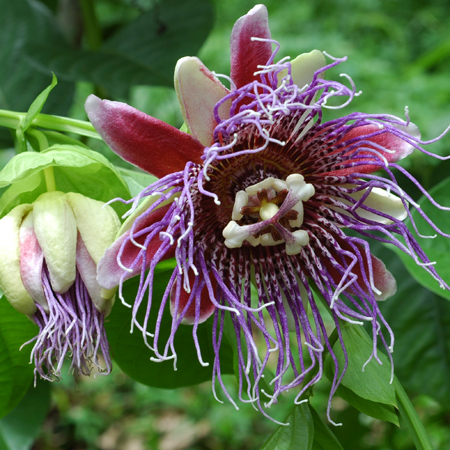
(31, 261)
(198, 91)
(56, 231)
(247, 54)
(97, 223)
(10, 279)
(88, 272)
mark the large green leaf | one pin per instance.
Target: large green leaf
(20, 427)
(437, 249)
(143, 52)
(16, 372)
(133, 356)
(22, 23)
(324, 439)
(420, 321)
(297, 434)
(374, 382)
(76, 169)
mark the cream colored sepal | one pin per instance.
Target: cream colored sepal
(56, 230)
(97, 223)
(10, 280)
(303, 68)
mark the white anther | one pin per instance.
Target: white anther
(301, 239)
(268, 241)
(241, 200)
(255, 241)
(297, 223)
(267, 211)
(279, 185)
(296, 183)
(234, 235)
(253, 190)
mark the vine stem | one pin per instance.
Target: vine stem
(12, 119)
(411, 419)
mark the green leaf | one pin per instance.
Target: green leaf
(22, 23)
(76, 169)
(19, 429)
(144, 52)
(373, 409)
(133, 356)
(437, 249)
(298, 434)
(38, 104)
(136, 181)
(324, 439)
(374, 383)
(16, 372)
(420, 320)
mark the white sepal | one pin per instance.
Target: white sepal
(97, 223)
(10, 279)
(56, 230)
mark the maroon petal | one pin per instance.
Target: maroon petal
(142, 140)
(206, 306)
(109, 272)
(383, 280)
(246, 54)
(398, 148)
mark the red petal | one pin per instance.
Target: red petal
(246, 54)
(387, 140)
(109, 272)
(142, 140)
(206, 306)
(383, 279)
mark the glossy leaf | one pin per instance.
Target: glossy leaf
(133, 356)
(76, 169)
(374, 382)
(22, 23)
(16, 373)
(437, 249)
(298, 434)
(38, 104)
(420, 320)
(136, 181)
(142, 53)
(324, 439)
(377, 410)
(19, 429)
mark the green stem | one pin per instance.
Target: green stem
(50, 179)
(92, 30)
(411, 419)
(13, 120)
(39, 136)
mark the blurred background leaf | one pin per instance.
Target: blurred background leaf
(19, 429)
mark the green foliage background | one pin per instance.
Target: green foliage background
(399, 55)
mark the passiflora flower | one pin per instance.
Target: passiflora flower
(48, 267)
(262, 190)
